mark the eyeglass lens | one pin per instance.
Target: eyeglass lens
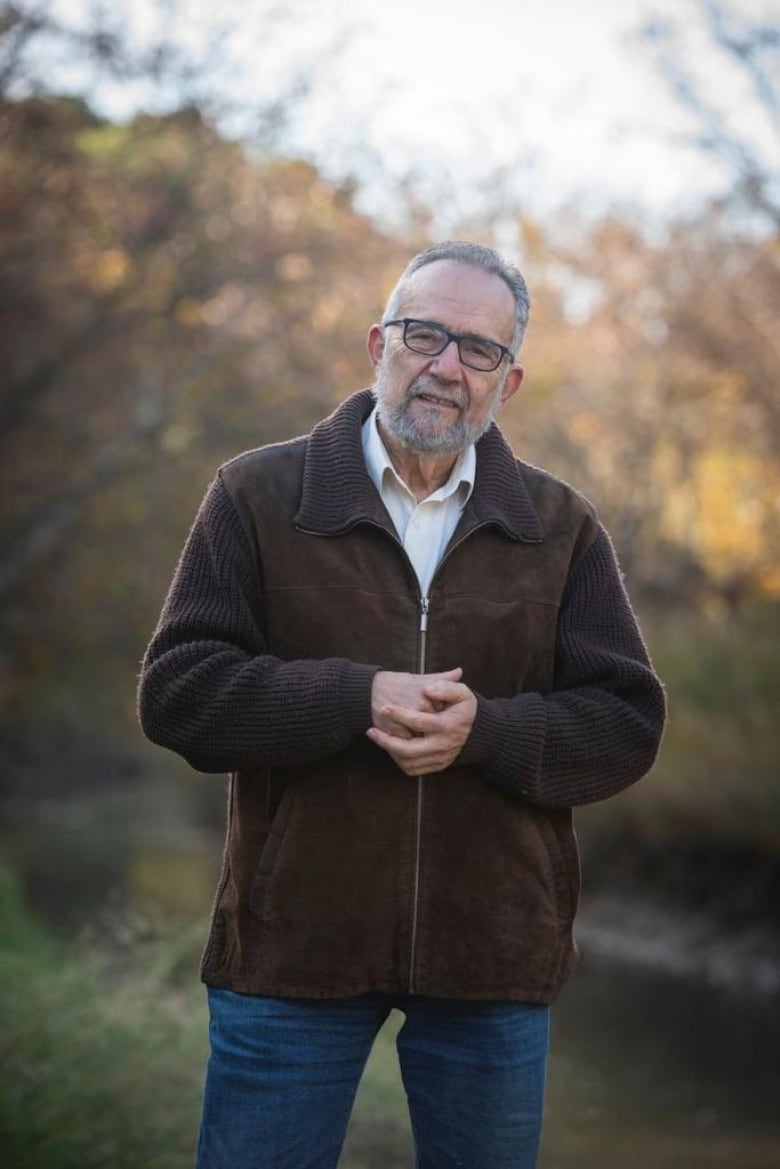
(476, 352)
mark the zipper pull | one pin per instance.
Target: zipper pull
(425, 605)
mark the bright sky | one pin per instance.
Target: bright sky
(563, 94)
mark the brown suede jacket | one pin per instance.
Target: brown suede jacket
(341, 874)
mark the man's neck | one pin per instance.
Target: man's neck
(422, 473)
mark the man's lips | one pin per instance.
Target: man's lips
(437, 400)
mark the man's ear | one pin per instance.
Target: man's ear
(375, 344)
(514, 380)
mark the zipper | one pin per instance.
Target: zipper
(422, 631)
(425, 605)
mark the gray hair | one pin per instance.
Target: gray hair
(476, 256)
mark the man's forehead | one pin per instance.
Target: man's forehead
(459, 295)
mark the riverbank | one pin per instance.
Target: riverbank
(684, 907)
(641, 934)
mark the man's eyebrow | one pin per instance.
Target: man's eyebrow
(439, 325)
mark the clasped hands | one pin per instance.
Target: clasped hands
(421, 720)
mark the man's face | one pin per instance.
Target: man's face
(437, 405)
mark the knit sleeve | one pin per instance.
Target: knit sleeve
(208, 688)
(600, 727)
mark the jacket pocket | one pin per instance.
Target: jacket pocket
(272, 848)
(561, 844)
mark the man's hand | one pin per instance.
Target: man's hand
(404, 691)
(433, 732)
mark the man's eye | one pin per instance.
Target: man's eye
(482, 350)
(424, 333)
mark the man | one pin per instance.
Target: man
(414, 654)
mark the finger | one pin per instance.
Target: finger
(446, 692)
(391, 743)
(420, 766)
(403, 748)
(448, 675)
(396, 731)
(426, 766)
(416, 721)
(418, 756)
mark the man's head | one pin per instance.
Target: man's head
(476, 305)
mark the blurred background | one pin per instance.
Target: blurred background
(200, 216)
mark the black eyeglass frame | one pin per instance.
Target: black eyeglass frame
(456, 337)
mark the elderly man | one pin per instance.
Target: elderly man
(414, 655)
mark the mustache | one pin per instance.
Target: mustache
(426, 384)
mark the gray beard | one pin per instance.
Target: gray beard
(418, 434)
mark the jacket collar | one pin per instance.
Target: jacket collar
(337, 492)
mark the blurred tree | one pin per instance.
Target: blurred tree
(658, 355)
(165, 300)
(665, 401)
(158, 62)
(749, 52)
(138, 264)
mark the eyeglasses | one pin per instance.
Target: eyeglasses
(475, 352)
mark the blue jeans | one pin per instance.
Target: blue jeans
(283, 1073)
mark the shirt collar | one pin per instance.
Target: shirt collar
(333, 453)
(379, 466)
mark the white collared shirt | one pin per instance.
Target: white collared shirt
(424, 528)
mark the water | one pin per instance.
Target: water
(646, 1071)
(652, 1070)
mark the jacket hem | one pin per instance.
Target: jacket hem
(391, 986)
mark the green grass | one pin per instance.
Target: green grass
(100, 1065)
(102, 1054)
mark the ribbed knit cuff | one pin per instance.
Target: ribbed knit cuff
(487, 730)
(355, 696)
(506, 741)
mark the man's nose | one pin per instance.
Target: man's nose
(447, 363)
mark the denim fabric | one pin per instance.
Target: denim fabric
(283, 1073)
